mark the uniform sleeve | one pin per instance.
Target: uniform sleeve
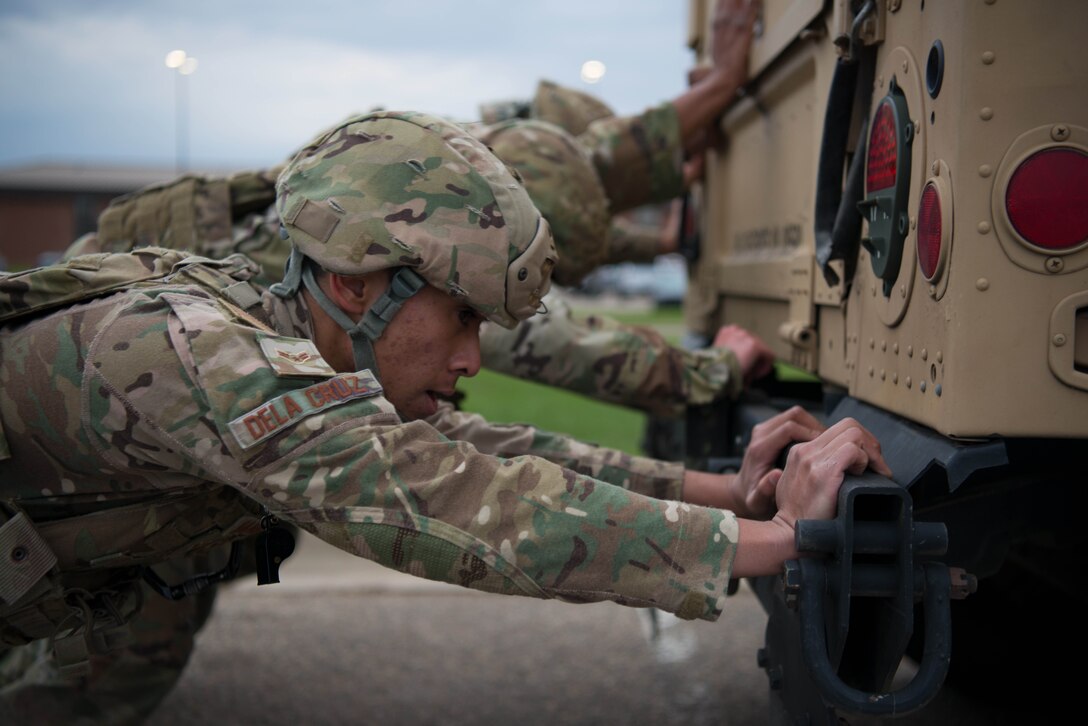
(639, 158)
(631, 241)
(609, 361)
(402, 494)
(652, 477)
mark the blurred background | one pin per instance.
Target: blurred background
(104, 97)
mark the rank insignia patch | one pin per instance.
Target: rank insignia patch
(294, 357)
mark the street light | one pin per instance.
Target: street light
(185, 65)
(593, 71)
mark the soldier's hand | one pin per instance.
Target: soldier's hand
(808, 487)
(733, 25)
(755, 357)
(758, 476)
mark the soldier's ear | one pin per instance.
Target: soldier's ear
(353, 294)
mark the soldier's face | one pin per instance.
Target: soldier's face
(431, 342)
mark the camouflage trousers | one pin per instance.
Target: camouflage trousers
(124, 686)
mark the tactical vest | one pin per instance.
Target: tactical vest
(192, 213)
(209, 216)
(46, 589)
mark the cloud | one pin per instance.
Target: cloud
(82, 82)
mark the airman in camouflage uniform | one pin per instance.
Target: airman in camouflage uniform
(635, 367)
(167, 417)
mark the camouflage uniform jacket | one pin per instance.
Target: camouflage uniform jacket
(610, 361)
(639, 158)
(168, 389)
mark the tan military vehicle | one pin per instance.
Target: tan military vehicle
(901, 210)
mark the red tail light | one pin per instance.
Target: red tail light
(1047, 199)
(880, 172)
(929, 231)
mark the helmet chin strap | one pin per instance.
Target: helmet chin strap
(404, 283)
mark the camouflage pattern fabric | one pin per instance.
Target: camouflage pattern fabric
(639, 158)
(124, 686)
(404, 189)
(609, 361)
(564, 186)
(346, 468)
(494, 112)
(632, 241)
(140, 390)
(567, 108)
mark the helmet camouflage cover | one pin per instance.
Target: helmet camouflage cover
(402, 189)
(564, 185)
(571, 110)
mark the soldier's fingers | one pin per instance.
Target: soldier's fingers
(851, 432)
(803, 417)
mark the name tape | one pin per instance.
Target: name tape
(284, 411)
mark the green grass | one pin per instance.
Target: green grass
(502, 399)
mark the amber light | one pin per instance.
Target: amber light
(1047, 199)
(929, 231)
(883, 143)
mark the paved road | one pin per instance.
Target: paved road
(343, 641)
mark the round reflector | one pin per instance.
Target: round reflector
(1047, 199)
(880, 166)
(929, 231)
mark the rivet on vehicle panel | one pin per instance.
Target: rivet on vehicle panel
(910, 351)
(1059, 340)
(895, 378)
(905, 66)
(872, 344)
(986, 113)
(893, 5)
(870, 371)
(1054, 264)
(913, 222)
(883, 375)
(895, 348)
(983, 227)
(940, 357)
(1059, 132)
(907, 381)
(985, 170)
(937, 389)
(922, 386)
(925, 354)
(982, 284)
(883, 346)
(903, 291)
(933, 291)
(988, 57)
(935, 168)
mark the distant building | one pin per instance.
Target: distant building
(46, 207)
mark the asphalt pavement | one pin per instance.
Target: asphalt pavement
(343, 641)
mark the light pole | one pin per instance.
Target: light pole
(185, 65)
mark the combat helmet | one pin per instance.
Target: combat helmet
(418, 194)
(571, 110)
(565, 187)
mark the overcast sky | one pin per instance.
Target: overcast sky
(85, 80)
